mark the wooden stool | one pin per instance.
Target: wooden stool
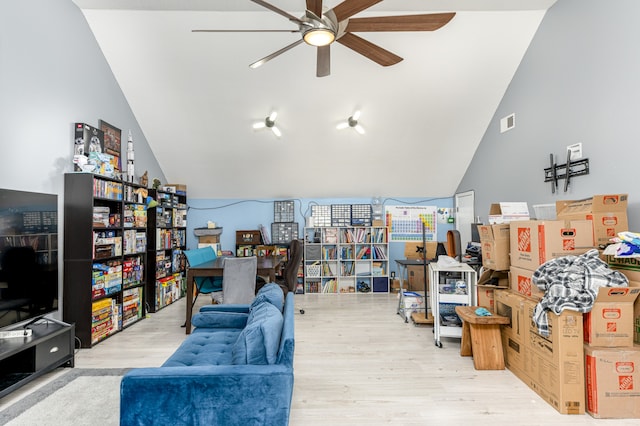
(481, 338)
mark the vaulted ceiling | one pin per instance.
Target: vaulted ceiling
(196, 98)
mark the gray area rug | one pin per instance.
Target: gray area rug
(83, 396)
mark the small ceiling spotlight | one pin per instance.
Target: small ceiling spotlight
(270, 123)
(353, 123)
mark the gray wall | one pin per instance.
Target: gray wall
(578, 82)
(53, 74)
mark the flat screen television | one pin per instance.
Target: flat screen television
(28, 256)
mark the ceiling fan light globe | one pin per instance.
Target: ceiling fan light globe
(319, 37)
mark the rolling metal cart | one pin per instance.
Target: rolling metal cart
(451, 286)
(403, 268)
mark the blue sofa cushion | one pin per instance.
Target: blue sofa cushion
(259, 341)
(212, 347)
(271, 293)
(219, 320)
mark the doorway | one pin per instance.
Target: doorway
(465, 216)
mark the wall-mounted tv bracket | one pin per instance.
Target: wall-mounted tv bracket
(565, 171)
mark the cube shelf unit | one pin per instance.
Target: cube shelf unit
(450, 286)
(167, 235)
(105, 243)
(346, 259)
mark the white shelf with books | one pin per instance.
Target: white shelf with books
(346, 260)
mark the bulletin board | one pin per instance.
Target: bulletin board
(405, 222)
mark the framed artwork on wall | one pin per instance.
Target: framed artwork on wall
(112, 142)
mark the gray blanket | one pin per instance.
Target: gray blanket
(572, 282)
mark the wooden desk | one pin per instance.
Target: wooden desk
(481, 338)
(267, 266)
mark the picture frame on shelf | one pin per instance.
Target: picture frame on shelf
(112, 142)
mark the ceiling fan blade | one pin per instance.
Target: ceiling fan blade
(267, 58)
(315, 6)
(277, 10)
(323, 66)
(368, 49)
(245, 31)
(349, 8)
(428, 22)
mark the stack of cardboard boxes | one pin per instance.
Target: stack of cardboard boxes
(585, 363)
(612, 362)
(553, 365)
(613, 366)
(494, 245)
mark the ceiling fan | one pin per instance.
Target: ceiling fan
(321, 28)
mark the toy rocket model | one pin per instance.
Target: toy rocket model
(130, 158)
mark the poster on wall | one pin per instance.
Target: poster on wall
(112, 142)
(405, 222)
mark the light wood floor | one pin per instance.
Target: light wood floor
(357, 363)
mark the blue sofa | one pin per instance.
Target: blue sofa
(236, 368)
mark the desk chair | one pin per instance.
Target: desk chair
(239, 280)
(204, 285)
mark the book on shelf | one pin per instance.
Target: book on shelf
(379, 253)
(363, 252)
(330, 286)
(346, 269)
(330, 236)
(328, 269)
(312, 287)
(329, 253)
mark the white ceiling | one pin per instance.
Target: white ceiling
(196, 99)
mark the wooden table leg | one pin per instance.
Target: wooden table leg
(465, 342)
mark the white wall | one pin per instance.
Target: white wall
(578, 82)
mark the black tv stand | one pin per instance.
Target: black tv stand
(23, 359)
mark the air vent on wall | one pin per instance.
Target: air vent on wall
(508, 123)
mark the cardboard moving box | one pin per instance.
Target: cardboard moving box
(511, 305)
(631, 269)
(552, 366)
(520, 281)
(494, 242)
(488, 282)
(416, 278)
(612, 378)
(611, 320)
(534, 242)
(555, 363)
(416, 250)
(506, 212)
(607, 212)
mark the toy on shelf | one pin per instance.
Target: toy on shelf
(130, 158)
